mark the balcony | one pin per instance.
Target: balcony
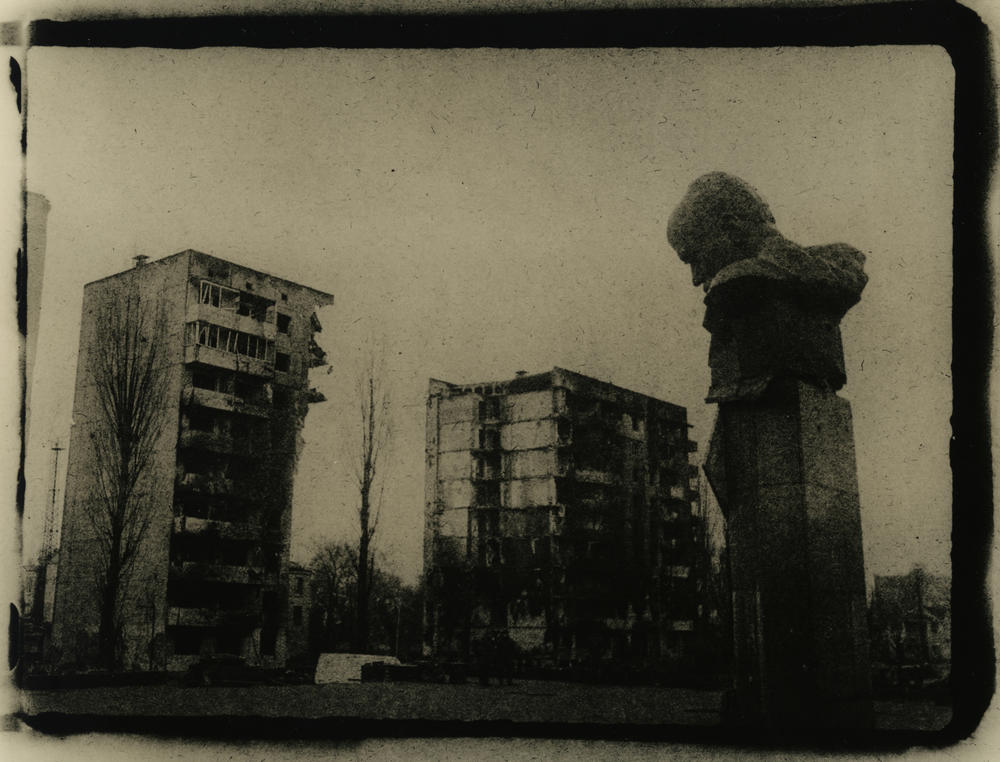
(230, 318)
(207, 484)
(226, 402)
(204, 571)
(226, 530)
(214, 441)
(199, 354)
(206, 440)
(211, 617)
(597, 415)
(216, 484)
(593, 476)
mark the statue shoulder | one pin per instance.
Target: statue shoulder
(777, 260)
(831, 275)
(835, 271)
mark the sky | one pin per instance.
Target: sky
(480, 212)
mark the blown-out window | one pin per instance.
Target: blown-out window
(219, 296)
(235, 342)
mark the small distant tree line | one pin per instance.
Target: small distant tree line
(393, 614)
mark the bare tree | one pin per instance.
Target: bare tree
(376, 431)
(129, 384)
(395, 614)
(334, 617)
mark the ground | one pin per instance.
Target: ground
(526, 701)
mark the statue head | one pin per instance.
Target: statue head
(720, 220)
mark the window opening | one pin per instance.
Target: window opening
(187, 641)
(200, 420)
(218, 296)
(205, 381)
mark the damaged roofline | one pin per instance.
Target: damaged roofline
(324, 299)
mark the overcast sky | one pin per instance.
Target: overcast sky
(490, 211)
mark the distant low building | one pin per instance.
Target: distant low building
(38, 598)
(39, 589)
(911, 627)
(563, 511)
(297, 614)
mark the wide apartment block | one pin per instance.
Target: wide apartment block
(562, 510)
(212, 574)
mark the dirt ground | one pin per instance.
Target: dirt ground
(523, 702)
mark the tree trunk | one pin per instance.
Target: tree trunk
(107, 635)
(361, 629)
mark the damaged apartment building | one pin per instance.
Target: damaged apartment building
(211, 573)
(563, 511)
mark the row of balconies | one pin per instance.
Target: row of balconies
(518, 522)
(208, 571)
(582, 544)
(222, 442)
(487, 442)
(218, 483)
(229, 313)
(279, 369)
(490, 495)
(226, 530)
(219, 358)
(224, 507)
(495, 470)
(225, 402)
(211, 484)
(212, 616)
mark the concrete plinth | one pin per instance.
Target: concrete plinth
(783, 467)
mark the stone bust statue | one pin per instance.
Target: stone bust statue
(773, 307)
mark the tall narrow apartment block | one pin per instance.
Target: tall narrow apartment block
(211, 574)
(562, 511)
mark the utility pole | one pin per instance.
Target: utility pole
(399, 619)
(48, 546)
(48, 543)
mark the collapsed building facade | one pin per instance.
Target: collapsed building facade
(563, 511)
(212, 572)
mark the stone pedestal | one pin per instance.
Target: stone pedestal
(783, 468)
